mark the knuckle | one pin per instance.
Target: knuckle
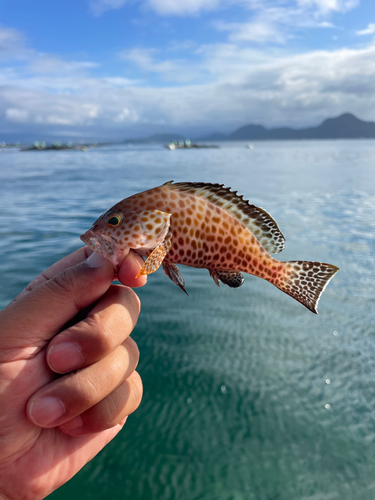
(99, 335)
(129, 299)
(84, 392)
(108, 411)
(132, 348)
(123, 401)
(64, 282)
(87, 391)
(136, 390)
(132, 354)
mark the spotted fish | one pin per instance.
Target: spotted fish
(205, 226)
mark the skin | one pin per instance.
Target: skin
(74, 301)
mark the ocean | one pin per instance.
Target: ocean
(247, 395)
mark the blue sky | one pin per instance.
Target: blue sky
(129, 68)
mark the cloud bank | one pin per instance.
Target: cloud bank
(252, 77)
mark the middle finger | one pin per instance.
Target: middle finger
(105, 327)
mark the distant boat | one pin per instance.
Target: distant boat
(188, 145)
(42, 146)
(250, 146)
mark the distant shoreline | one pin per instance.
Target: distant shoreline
(344, 127)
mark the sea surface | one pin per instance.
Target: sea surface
(247, 395)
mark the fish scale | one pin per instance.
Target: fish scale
(208, 226)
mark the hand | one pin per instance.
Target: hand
(70, 321)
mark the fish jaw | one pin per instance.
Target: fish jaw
(105, 246)
(141, 231)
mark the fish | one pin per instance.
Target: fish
(209, 226)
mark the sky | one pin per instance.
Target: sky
(116, 69)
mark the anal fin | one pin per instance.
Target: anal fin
(233, 279)
(173, 272)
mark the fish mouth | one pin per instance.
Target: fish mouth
(105, 246)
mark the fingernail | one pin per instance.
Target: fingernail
(73, 424)
(136, 258)
(96, 260)
(46, 410)
(139, 262)
(64, 357)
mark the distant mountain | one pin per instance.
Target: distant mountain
(247, 132)
(346, 126)
(168, 137)
(214, 137)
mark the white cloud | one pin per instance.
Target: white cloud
(182, 45)
(176, 70)
(259, 31)
(99, 6)
(330, 5)
(189, 7)
(164, 7)
(142, 57)
(126, 115)
(274, 24)
(181, 7)
(17, 115)
(118, 81)
(223, 86)
(44, 63)
(12, 44)
(246, 86)
(40, 107)
(370, 30)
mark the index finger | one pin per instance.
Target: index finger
(129, 269)
(126, 274)
(68, 261)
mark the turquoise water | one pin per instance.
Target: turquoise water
(235, 380)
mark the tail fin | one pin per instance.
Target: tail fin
(306, 281)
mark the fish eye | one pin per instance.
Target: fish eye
(114, 219)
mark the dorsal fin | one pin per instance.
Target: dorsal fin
(257, 220)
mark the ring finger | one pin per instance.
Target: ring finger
(69, 396)
(110, 411)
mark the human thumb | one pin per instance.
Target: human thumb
(40, 314)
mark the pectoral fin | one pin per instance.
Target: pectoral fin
(156, 257)
(233, 279)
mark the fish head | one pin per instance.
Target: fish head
(116, 232)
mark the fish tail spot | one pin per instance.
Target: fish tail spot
(305, 281)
